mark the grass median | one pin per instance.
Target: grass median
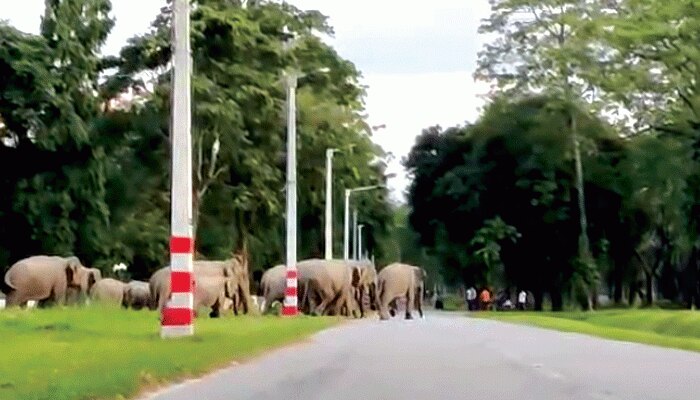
(667, 328)
(97, 353)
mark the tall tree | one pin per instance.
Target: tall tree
(545, 45)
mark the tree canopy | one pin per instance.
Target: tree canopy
(85, 151)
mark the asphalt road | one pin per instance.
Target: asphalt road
(451, 357)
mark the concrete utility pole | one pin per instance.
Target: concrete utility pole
(329, 203)
(346, 222)
(354, 234)
(359, 241)
(290, 295)
(177, 316)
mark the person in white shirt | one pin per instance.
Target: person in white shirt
(471, 299)
(522, 299)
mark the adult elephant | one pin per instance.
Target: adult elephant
(273, 285)
(108, 291)
(159, 283)
(330, 283)
(213, 292)
(400, 280)
(137, 295)
(45, 279)
(74, 295)
(365, 284)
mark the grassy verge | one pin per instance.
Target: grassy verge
(111, 354)
(675, 329)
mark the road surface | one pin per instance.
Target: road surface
(452, 357)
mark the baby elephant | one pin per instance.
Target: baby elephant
(212, 292)
(137, 295)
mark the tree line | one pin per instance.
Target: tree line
(85, 169)
(581, 176)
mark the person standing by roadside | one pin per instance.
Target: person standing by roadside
(522, 300)
(471, 299)
(485, 299)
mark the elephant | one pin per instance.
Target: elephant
(273, 284)
(366, 286)
(137, 295)
(330, 282)
(272, 287)
(213, 292)
(159, 283)
(398, 280)
(109, 291)
(73, 295)
(45, 279)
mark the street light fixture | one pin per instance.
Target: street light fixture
(346, 238)
(329, 202)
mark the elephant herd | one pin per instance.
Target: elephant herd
(348, 288)
(325, 287)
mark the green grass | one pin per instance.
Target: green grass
(453, 302)
(94, 353)
(667, 328)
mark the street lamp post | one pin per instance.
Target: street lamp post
(346, 222)
(290, 296)
(329, 203)
(359, 241)
(177, 318)
(354, 234)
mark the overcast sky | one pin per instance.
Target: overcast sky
(417, 57)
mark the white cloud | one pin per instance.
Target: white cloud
(408, 103)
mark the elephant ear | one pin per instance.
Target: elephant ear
(91, 280)
(70, 273)
(356, 276)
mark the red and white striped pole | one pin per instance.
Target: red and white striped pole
(290, 307)
(177, 317)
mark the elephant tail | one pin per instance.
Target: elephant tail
(6, 285)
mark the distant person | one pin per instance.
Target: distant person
(439, 304)
(471, 299)
(485, 299)
(522, 300)
(508, 305)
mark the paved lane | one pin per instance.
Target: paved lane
(451, 357)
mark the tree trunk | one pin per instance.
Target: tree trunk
(538, 299)
(557, 299)
(584, 243)
(618, 290)
(649, 280)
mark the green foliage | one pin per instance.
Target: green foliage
(487, 248)
(87, 176)
(513, 165)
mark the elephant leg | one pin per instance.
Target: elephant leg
(384, 307)
(392, 308)
(410, 299)
(419, 302)
(326, 300)
(13, 299)
(59, 296)
(162, 301)
(360, 301)
(216, 309)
